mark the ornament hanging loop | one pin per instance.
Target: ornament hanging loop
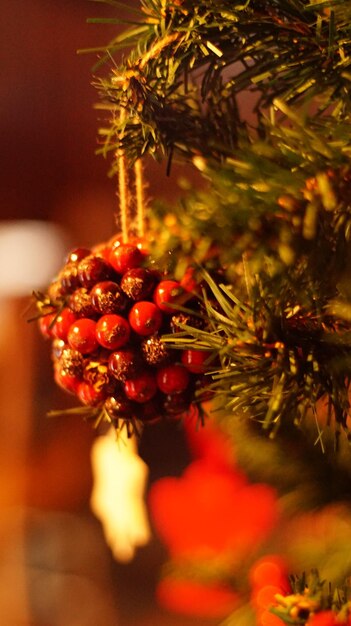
(130, 217)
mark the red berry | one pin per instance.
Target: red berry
(77, 255)
(72, 362)
(173, 378)
(124, 364)
(140, 243)
(194, 360)
(142, 388)
(81, 336)
(145, 318)
(88, 395)
(63, 322)
(154, 351)
(180, 319)
(68, 278)
(102, 250)
(112, 331)
(107, 297)
(124, 257)
(66, 381)
(167, 292)
(119, 408)
(137, 283)
(115, 241)
(190, 282)
(81, 304)
(93, 269)
(176, 404)
(46, 323)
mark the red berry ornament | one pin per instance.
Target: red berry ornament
(77, 255)
(69, 278)
(66, 381)
(124, 364)
(138, 283)
(93, 269)
(108, 297)
(142, 388)
(105, 314)
(173, 378)
(166, 293)
(63, 322)
(89, 395)
(176, 404)
(112, 331)
(124, 257)
(81, 304)
(119, 408)
(45, 325)
(194, 360)
(81, 336)
(145, 318)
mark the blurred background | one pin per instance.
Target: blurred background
(55, 567)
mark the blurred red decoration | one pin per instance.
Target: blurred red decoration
(212, 513)
(206, 512)
(268, 577)
(209, 443)
(326, 618)
(189, 597)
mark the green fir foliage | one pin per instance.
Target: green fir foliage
(256, 96)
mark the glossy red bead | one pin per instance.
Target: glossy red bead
(81, 336)
(190, 282)
(124, 257)
(138, 283)
(124, 364)
(194, 360)
(45, 325)
(89, 395)
(103, 251)
(141, 388)
(77, 255)
(93, 269)
(62, 324)
(145, 318)
(119, 408)
(66, 381)
(68, 278)
(81, 304)
(175, 404)
(173, 378)
(107, 297)
(166, 293)
(112, 331)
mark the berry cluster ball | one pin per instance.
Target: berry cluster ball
(105, 313)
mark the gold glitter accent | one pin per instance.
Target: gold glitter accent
(154, 350)
(71, 361)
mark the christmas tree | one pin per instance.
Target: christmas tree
(253, 98)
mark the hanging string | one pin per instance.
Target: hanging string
(140, 198)
(131, 210)
(123, 187)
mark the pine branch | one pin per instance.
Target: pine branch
(283, 354)
(212, 52)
